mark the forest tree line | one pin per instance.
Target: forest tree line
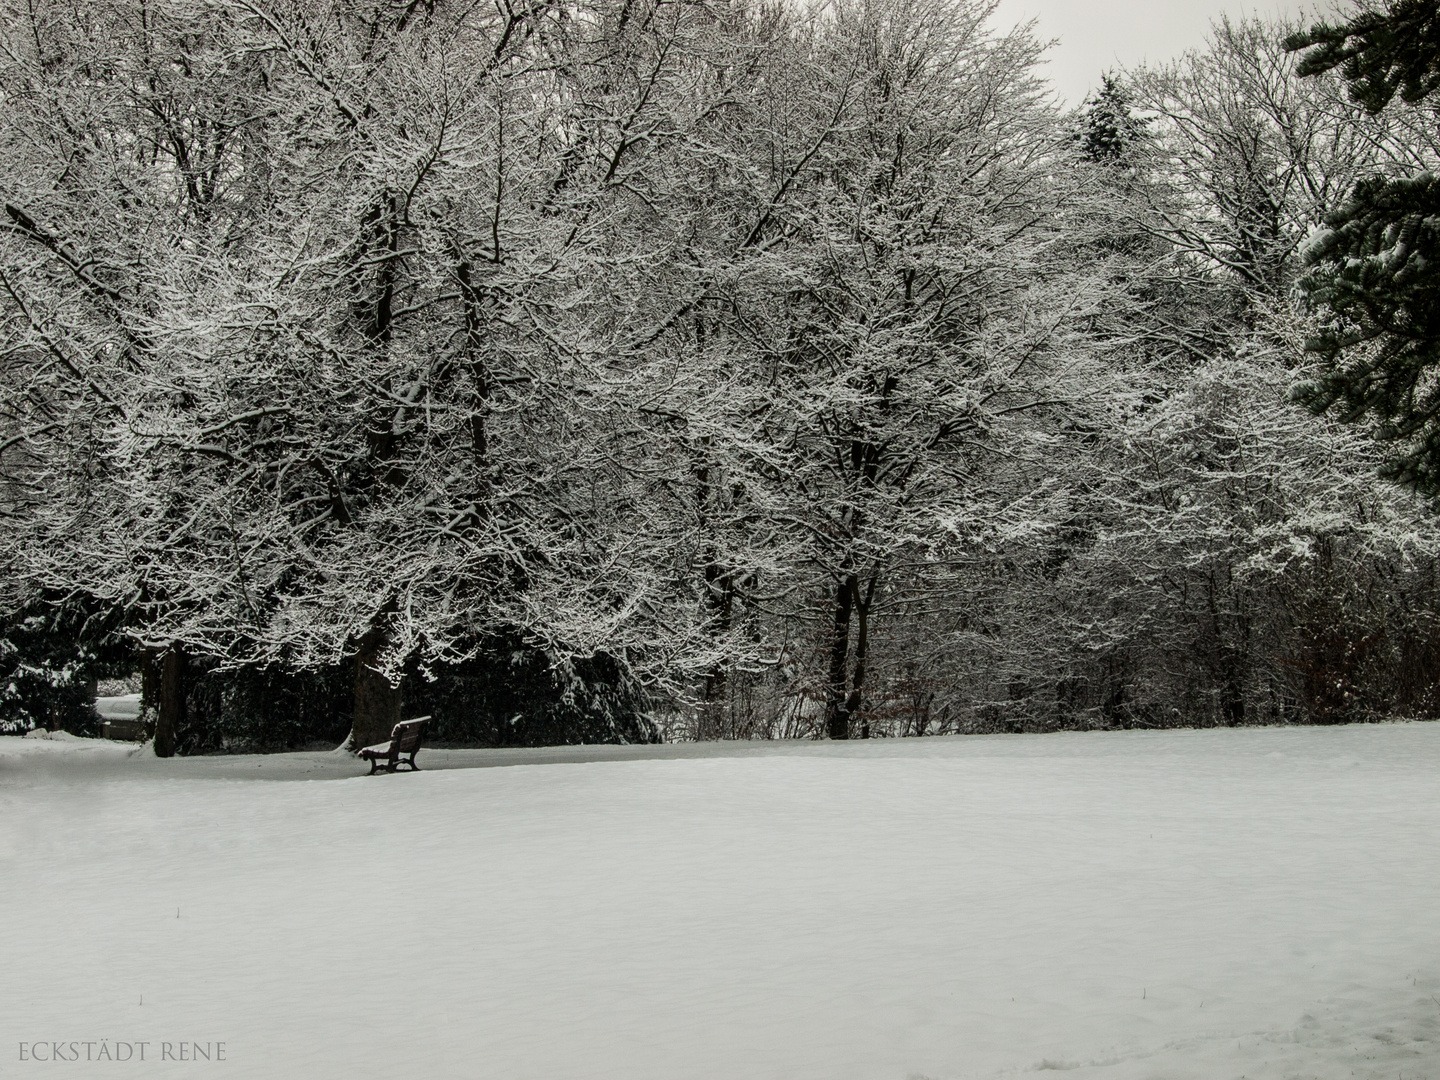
(689, 368)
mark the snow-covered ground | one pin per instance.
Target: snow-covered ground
(1206, 904)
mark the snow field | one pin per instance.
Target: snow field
(1208, 904)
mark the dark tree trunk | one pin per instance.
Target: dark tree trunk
(719, 587)
(720, 591)
(1231, 635)
(171, 714)
(475, 348)
(377, 702)
(837, 717)
(854, 699)
(1232, 693)
(383, 432)
(712, 704)
(149, 684)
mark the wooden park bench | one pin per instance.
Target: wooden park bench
(405, 738)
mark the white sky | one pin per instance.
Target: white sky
(1097, 35)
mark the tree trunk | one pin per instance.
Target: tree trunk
(855, 698)
(720, 593)
(837, 718)
(149, 684)
(377, 702)
(172, 701)
(712, 705)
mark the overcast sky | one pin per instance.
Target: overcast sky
(1096, 35)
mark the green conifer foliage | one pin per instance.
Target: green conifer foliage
(1108, 129)
(1379, 53)
(1373, 268)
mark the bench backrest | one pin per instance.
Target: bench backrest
(408, 733)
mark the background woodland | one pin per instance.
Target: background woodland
(596, 370)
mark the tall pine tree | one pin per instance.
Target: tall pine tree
(1109, 130)
(1373, 269)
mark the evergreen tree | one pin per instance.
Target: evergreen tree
(1373, 267)
(1380, 54)
(1109, 130)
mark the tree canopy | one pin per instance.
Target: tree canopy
(795, 370)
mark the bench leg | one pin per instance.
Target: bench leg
(391, 764)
